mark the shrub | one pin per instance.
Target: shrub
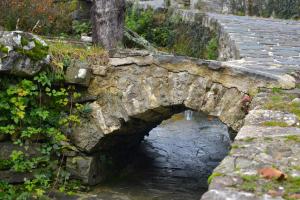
(34, 111)
(211, 52)
(38, 16)
(80, 28)
(168, 32)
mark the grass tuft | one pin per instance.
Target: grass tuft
(212, 176)
(275, 123)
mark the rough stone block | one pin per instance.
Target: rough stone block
(85, 168)
(6, 148)
(15, 177)
(79, 73)
(99, 70)
(86, 136)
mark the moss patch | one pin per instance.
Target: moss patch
(268, 138)
(3, 49)
(38, 52)
(283, 102)
(248, 139)
(275, 123)
(249, 183)
(235, 146)
(260, 186)
(212, 176)
(294, 138)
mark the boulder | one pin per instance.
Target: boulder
(86, 136)
(22, 54)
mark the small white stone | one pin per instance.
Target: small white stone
(296, 100)
(17, 39)
(47, 59)
(86, 39)
(9, 48)
(281, 188)
(81, 73)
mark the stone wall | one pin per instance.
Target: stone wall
(265, 8)
(227, 49)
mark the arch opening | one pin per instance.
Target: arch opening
(173, 160)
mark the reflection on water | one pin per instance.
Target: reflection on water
(188, 115)
(173, 162)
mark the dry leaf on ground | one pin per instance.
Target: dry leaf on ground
(272, 173)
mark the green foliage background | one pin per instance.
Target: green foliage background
(169, 33)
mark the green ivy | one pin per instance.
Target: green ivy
(37, 111)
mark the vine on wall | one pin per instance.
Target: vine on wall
(36, 113)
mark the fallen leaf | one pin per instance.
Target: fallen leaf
(272, 173)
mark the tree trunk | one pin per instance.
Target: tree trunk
(108, 18)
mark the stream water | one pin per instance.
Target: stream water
(173, 162)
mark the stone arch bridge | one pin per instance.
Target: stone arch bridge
(138, 89)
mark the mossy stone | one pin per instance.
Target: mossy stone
(38, 52)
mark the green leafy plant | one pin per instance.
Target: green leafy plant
(39, 16)
(212, 49)
(169, 33)
(81, 27)
(35, 111)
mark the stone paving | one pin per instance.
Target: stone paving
(257, 46)
(269, 45)
(258, 146)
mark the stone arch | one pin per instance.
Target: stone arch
(133, 100)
